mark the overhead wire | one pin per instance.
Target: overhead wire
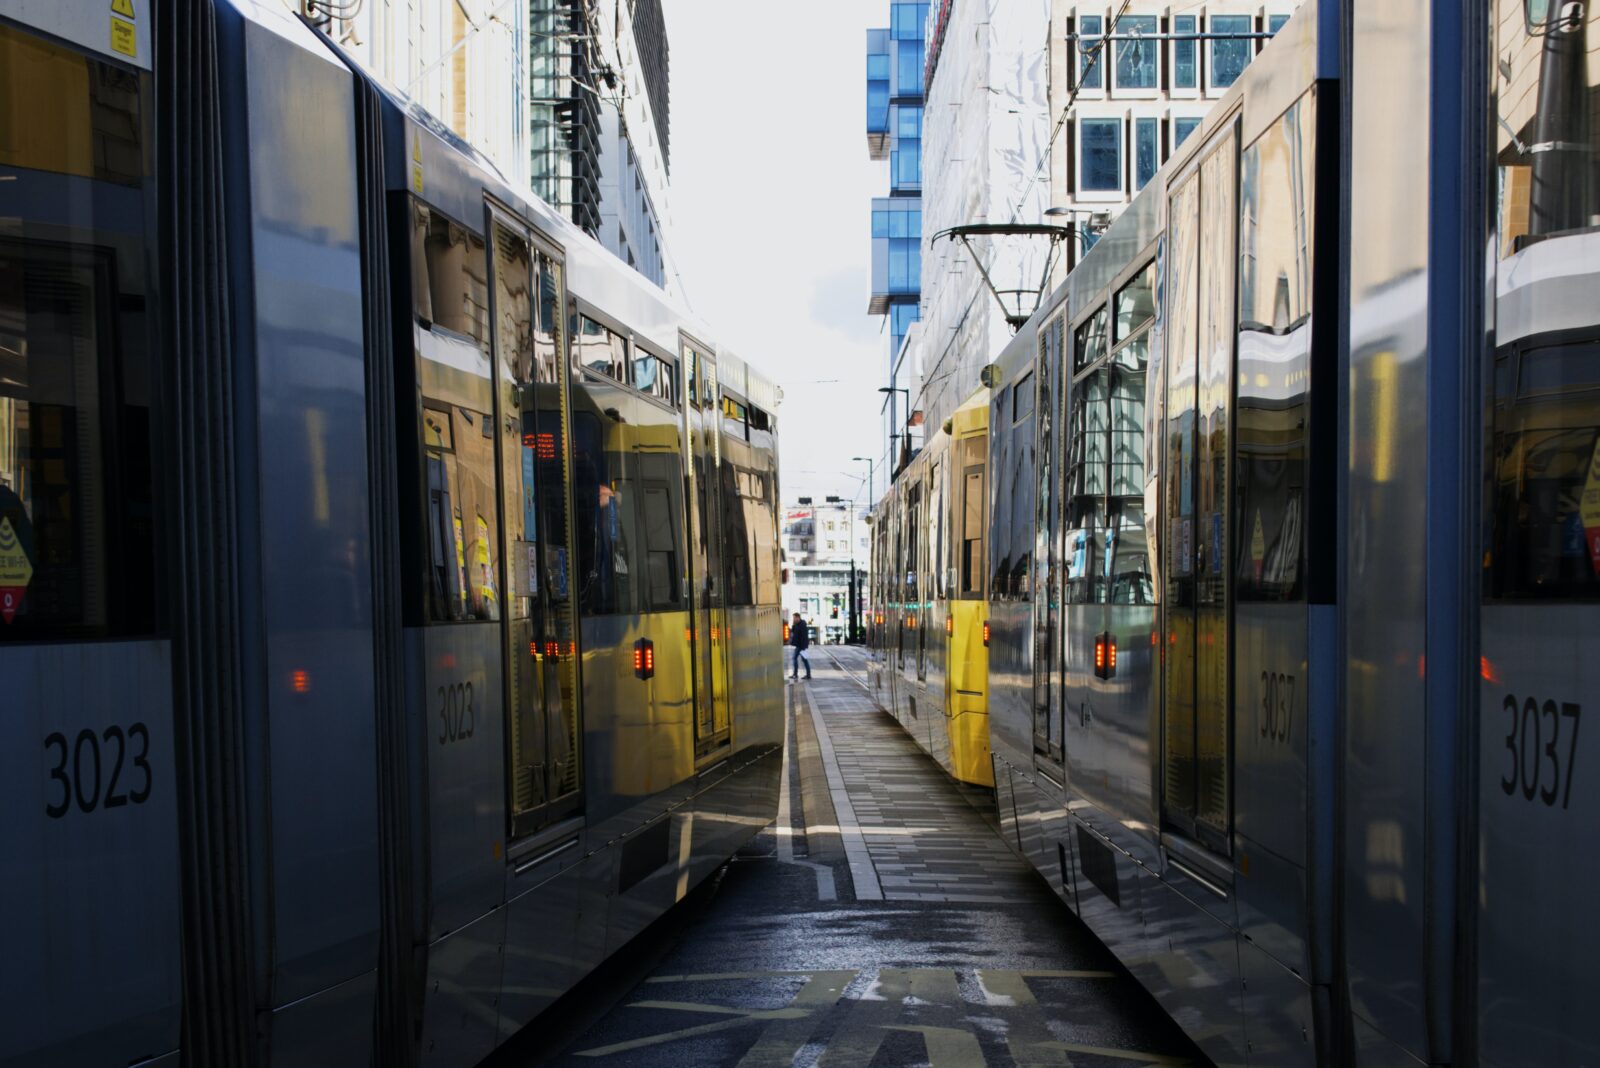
(1094, 56)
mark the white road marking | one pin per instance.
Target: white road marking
(862, 873)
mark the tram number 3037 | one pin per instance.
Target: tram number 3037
(90, 769)
(1533, 742)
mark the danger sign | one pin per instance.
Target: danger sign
(16, 570)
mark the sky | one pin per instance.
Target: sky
(771, 203)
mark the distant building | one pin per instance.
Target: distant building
(567, 98)
(1123, 97)
(896, 59)
(819, 544)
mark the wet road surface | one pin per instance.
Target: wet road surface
(880, 923)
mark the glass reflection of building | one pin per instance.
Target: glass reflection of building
(1544, 479)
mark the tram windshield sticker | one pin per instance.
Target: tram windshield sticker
(1589, 508)
(16, 570)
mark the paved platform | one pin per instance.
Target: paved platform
(880, 922)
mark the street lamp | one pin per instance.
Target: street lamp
(871, 499)
(891, 390)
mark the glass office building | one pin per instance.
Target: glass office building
(895, 60)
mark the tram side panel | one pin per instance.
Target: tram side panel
(92, 970)
(1537, 795)
(1385, 598)
(304, 529)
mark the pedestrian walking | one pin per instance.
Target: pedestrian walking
(800, 638)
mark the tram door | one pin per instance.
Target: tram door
(539, 630)
(709, 622)
(1195, 756)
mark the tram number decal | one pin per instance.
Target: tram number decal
(1277, 706)
(83, 768)
(1533, 740)
(458, 717)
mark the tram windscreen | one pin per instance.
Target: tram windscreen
(77, 516)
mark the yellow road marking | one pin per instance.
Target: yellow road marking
(1119, 1054)
(948, 1047)
(896, 1001)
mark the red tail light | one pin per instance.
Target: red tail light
(1099, 656)
(786, 632)
(949, 624)
(644, 658)
(1111, 655)
(300, 681)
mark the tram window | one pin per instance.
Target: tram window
(77, 516)
(1089, 340)
(1087, 469)
(453, 292)
(1017, 583)
(1135, 303)
(999, 540)
(1022, 398)
(652, 376)
(453, 375)
(971, 543)
(604, 474)
(601, 350)
(1545, 488)
(734, 415)
(662, 576)
(737, 514)
(1275, 261)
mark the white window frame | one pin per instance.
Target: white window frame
(1137, 92)
(1171, 59)
(1086, 92)
(1136, 116)
(1198, 114)
(1102, 196)
(1212, 89)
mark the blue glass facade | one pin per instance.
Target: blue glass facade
(895, 61)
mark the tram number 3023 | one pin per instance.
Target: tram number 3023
(458, 718)
(1277, 706)
(1533, 740)
(84, 767)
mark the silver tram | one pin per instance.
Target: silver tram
(1294, 551)
(389, 615)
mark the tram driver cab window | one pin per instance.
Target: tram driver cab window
(78, 522)
(450, 292)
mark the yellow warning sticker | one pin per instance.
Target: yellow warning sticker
(123, 38)
(123, 8)
(416, 178)
(1589, 508)
(16, 570)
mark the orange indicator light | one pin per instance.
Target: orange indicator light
(986, 634)
(300, 681)
(949, 624)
